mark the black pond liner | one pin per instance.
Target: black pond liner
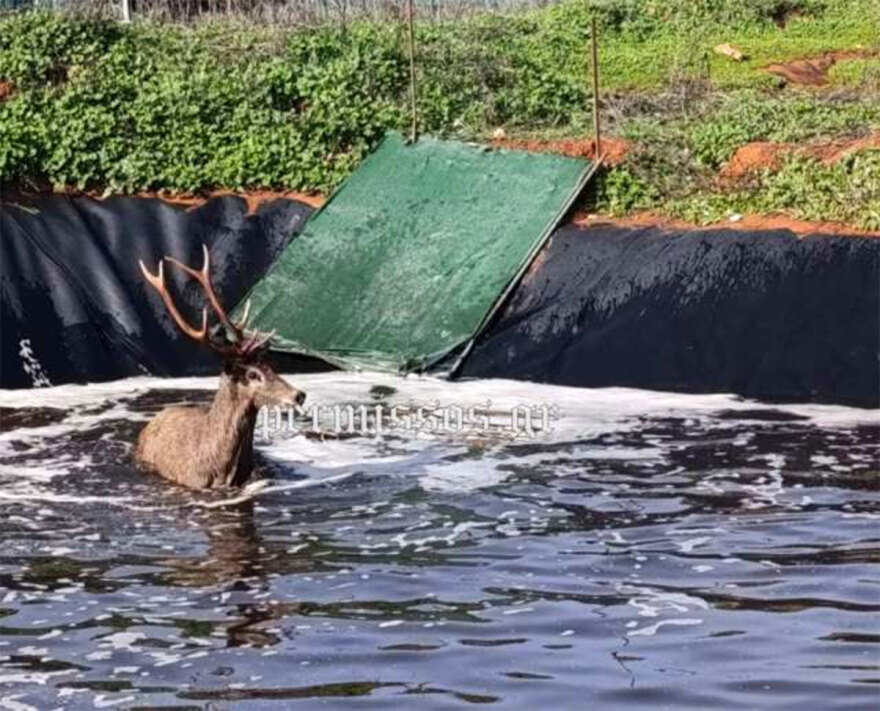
(762, 314)
(72, 294)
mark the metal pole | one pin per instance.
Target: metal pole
(414, 134)
(596, 129)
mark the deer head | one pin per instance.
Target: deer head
(241, 349)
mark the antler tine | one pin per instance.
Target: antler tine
(157, 281)
(257, 341)
(242, 323)
(203, 276)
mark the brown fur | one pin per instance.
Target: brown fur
(210, 447)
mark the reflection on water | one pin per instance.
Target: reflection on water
(654, 551)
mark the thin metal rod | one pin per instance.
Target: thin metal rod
(414, 134)
(596, 129)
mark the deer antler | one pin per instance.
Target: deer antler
(241, 347)
(257, 342)
(157, 281)
(203, 276)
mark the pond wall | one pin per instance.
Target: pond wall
(75, 307)
(767, 315)
(763, 314)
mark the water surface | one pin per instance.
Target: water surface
(651, 551)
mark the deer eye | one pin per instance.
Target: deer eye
(253, 375)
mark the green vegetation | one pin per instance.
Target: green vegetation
(674, 167)
(750, 117)
(846, 191)
(121, 108)
(680, 46)
(857, 73)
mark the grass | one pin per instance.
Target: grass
(677, 152)
(104, 106)
(674, 167)
(847, 191)
(686, 49)
(861, 74)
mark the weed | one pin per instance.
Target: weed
(846, 191)
(122, 108)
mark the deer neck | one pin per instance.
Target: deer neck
(231, 419)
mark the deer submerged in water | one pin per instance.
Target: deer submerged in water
(212, 446)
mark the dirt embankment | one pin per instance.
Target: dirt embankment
(759, 156)
(813, 71)
(613, 149)
(748, 160)
(253, 198)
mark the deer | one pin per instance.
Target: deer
(211, 446)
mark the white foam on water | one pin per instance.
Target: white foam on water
(651, 630)
(264, 486)
(40, 678)
(691, 543)
(577, 405)
(102, 702)
(11, 703)
(434, 458)
(463, 475)
(75, 420)
(122, 640)
(653, 603)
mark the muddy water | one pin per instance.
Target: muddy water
(650, 551)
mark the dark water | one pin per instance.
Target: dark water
(653, 552)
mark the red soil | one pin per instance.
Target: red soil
(613, 149)
(253, 198)
(813, 71)
(767, 155)
(753, 158)
(748, 222)
(835, 150)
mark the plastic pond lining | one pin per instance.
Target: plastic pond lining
(764, 314)
(75, 307)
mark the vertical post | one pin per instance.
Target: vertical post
(596, 129)
(126, 10)
(414, 133)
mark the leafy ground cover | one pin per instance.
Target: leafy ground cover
(677, 163)
(101, 106)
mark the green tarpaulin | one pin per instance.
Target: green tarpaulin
(413, 252)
